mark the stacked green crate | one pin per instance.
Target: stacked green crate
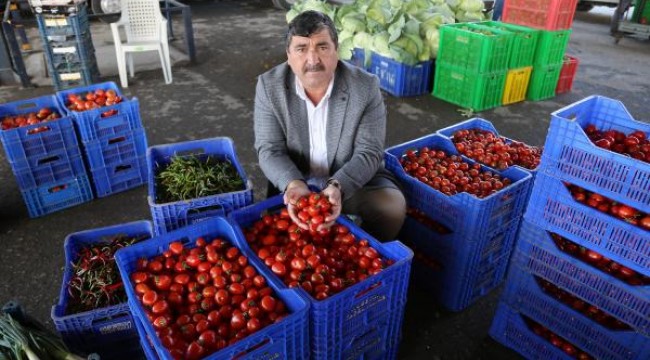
(641, 13)
(549, 56)
(471, 65)
(522, 58)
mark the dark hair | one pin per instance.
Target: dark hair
(310, 22)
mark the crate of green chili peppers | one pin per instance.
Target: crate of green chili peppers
(195, 180)
(92, 314)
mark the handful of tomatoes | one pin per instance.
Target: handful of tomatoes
(203, 299)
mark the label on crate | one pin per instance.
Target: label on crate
(117, 327)
(56, 22)
(70, 76)
(365, 305)
(64, 50)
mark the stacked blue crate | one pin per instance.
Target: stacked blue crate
(45, 157)
(113, 139)
(579, 281)
(465, 255)
(68, 47)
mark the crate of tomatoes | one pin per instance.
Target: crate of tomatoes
(595, 143)
(194, 180)
(34, 129)
(356, 285)
(196, 294)
(617, 230)
(100, 110)
(554, 275)
(92, 314)
(466, 197)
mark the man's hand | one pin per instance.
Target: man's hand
(333, 194)
(295, 190)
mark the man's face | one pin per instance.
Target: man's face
(313, 59)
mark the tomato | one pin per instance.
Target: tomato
(279, 269)
(282, 225)
(298, 264)
(162, 282)
(176, 247)
(139, 277)
(644, 222)
(236, 288)
(222, 297)
(149, 298)
(141, 288)
(237, 321)
(268, 303)
(626, 212)
(160, 322)
(208, 339)
(259, 281)
(194, 351)
(253, 325)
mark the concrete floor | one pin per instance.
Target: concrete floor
(236, 41)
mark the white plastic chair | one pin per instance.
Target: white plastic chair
(146, 30)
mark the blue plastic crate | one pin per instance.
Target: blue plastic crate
(358, 58)
(55, 167)
(536, 253)
(553, 208)
(174, 215)
(74, 75)
(370, 345)
(115, 150)
(71, 24)
(119, 177)
(70, 50)
(469, 267)
(509, 328)
(337, 320)
(569, 155)
(400, 79)
(462, 212)
(96, 330)
(287, 339)
(39, 140)
(49, 198)
(92, 125)
(523, 294)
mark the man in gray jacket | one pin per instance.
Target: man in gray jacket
(322, 122)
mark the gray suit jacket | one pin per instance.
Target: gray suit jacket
(356, 128)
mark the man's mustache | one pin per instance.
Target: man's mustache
(314, 68)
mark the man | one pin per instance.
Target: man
(323, 122)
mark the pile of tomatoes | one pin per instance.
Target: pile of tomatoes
(635, 145)
(608, 206)
(600, 262)
(323, 262)
(494, 151)
(557, 341)
(585, 308)
(203, 299)
(94, 100)
(450, 174)
(43, 115)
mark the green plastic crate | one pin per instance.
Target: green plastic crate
(543, 82)
(641, 12)
(551, 47)
(468, 46)
(470, 89)
(524, 43)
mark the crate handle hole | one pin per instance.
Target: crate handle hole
(38, 130)
(205, 209)
(109, 113)
(116, 140)
(252, 348)
(57, 188)
(27, 105)
(48, 159)
(122, 168)
(367, 290)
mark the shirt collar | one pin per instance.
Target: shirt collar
(300, 90)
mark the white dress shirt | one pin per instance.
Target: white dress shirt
(317, 117)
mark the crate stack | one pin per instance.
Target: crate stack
(554, 18)
(363, 321)
(579, 280)
(462, 243)
(67, 42)
(45, 156)
(113, 138)
(472, 65)
(108, 331)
